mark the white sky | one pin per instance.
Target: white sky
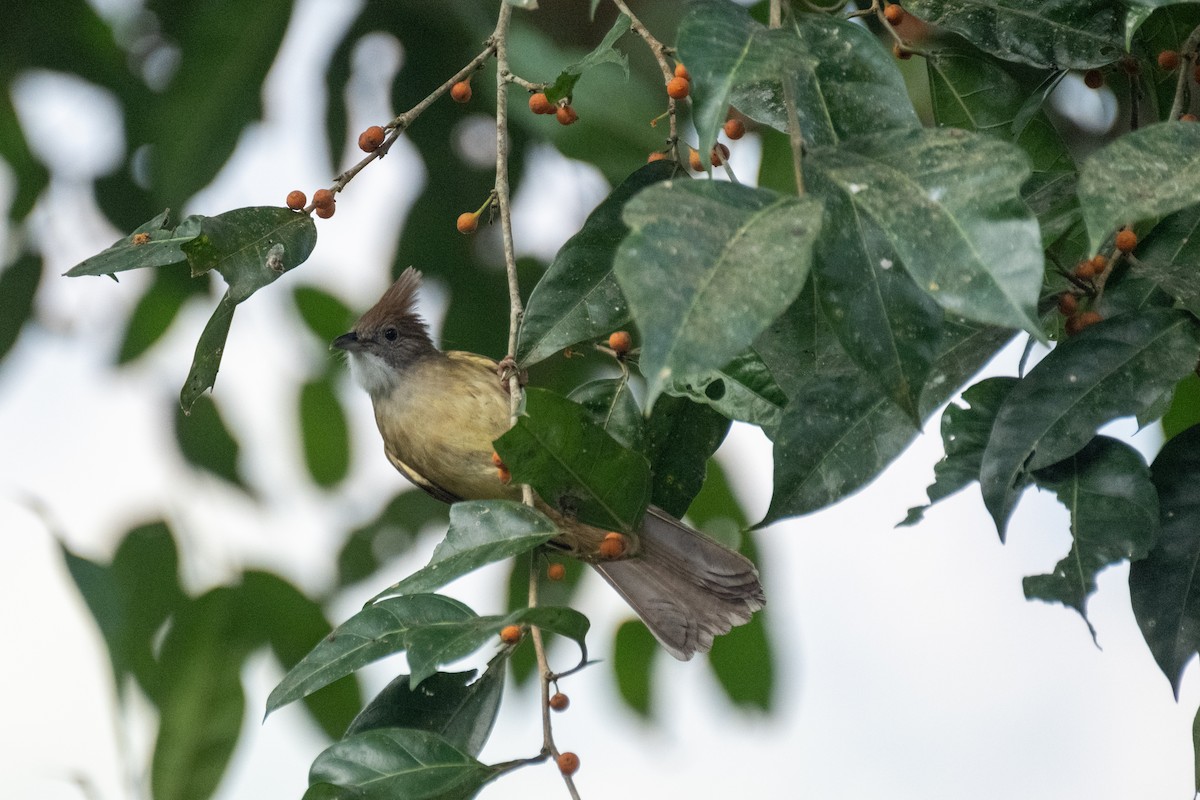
(910, 665)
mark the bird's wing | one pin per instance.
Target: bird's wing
(475, 359)
(420, 481)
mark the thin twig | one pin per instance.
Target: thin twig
(1188, 53)
(660, 51)
(795, 139)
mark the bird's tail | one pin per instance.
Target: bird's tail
(686, 587)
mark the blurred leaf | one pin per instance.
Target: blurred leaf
(578, 298)
(18, 286)
(481, 532)
(389, 763)
(1148, 173)
(378, 630)
(844, 82)
(744, 389)
(202, 703)
(206, 442)
(716, 500)
(1164, 587)
(1164, 28)
(448, 704)
(966, 429)
(1115, 368)
(1072, 35)
(693, 246)
(1114, 516)
(681, 436)
(604, 53)
(324, 432)
(610, 404)
(278, 613)
(633, 664)
(574, 465)
(31, 175)
(744, 666)
(391, 533)
(156, 310)
(1184, 411)
(325, 315)
(948, 203)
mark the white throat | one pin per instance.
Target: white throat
(372, 373)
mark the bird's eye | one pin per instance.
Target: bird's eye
(390, 334)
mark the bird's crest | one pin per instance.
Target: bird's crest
(398, 302)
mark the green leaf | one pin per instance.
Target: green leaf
(633, 662)
(965, 432)
(681, 436)
(207, 358)
(1148, 173)
(251, 247)
(163, 248)
(694, 247)
(604, 53)
(324, 432)
(744, 666)
(389, 534)
(1167, 257)
(156, 310)
(611, 405)
(378, 630)
(481, 532)
(1114, 516)
(390, 763)
(449, 704)
(205, 441)
(574, 465)
(844, 82)
(1055, 35)
(324, 314)
(1164, 587)
(744, 389)
(18, 286)
(1117, 367)
(578, 297)
(1184, 411)
(948, 203)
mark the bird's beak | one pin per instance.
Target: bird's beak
(347, 341)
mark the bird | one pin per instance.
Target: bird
(438, 413)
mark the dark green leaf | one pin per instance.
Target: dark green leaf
(1184, 411)
(251, 247)
(1114, 516)
(1115, 368)
(1168, 256)
(164, 248)
(611, 405)
(207, 358)
(633, 663)
(716, 501)
(744, 666)
(744, 389)
(30, 174)
(324, 432)
(1164, 587)
(948, 203)
(377, 631)
(697, 246)
(391, 533)
(449, 704)
(604, 53)
(574, 465)
(18, 285)
(156, 310)
(578, 298)
(1148, 173)
(391, 763)
(1054, 35)
(481, 532)
(681, 436)
(965, 432)
(325, 315)
(205, 441)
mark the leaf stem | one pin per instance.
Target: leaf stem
(795, 138)
(1188, 55)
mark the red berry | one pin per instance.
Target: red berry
(620, 342)
(461, 92)
(678, 88)
(1085, 270)
(1067, 304)
(694, 161)
(556, 572)
(565, 115)
(894, 14)
(735, 128)
(370, 139)
(559, 701)
(539, 104)
(568, 763)
(1093, 79)
(296, 200)
(510, 634)
(325, 212)
(323, 198)
(613, 546)
(1126, 240)
(681, 71)
(468, 221)
(1168, 60)
(719, 154)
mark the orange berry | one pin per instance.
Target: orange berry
(510, 634)
(893, 14)
(559, 701)
(370, 139)
(1083, 320)
(735, 128)
(556, 572)
(678, 88)
(461, 92)
(504, 475)
(1093, 79)
(1085, 270)
(496, 460)
(540, 104)
(296, 200)
(657, 155)
(900, 53)
(323, 198)
(568, 763)
(467, 222)
(1168, 60)
(694, 161)
(565, 115)
(681, 71)
(1067, 304)
(325, 212)
(140, 238)
(1099, 262)
(613, 546)
(1126, 240)
(719, 155)
(620, 342)
(1187, 117)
